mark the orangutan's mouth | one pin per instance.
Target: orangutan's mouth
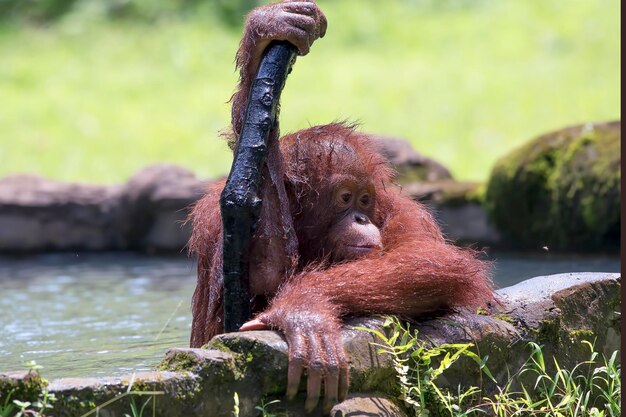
(363, 249)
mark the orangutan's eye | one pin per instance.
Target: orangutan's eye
(344, 198)
(365, 200)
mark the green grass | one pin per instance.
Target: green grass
(591, 388)
(92, 99)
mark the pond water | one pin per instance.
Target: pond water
(112, 314)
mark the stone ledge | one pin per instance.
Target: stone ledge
(558, 311)
(147, 213)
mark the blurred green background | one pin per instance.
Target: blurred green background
(93, 90)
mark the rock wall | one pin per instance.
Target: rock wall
(148, 212)
(560, 191)
(558, 312)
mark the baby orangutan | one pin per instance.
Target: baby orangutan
(335, 236)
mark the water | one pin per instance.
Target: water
(113, 314)
(95, 315)
(509, 269)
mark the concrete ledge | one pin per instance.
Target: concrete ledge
(147, 213)
(558, 311)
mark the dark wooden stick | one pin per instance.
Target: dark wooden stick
(240, 202)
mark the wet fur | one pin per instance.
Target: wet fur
(416, 272)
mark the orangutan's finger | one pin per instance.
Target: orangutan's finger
(344, 383)
(316, 361)
(297, 346)
(294, 374)
(313, 387)
(331, 386)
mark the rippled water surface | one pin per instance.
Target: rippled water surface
(102, 315)
(93, 315)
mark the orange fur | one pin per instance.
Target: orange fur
(334, 237)
(416, 272)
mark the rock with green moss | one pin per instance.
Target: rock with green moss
(21, 385)
(165, 394)
(446, 193)
(561, 312)
(561, 190)
(410, 165)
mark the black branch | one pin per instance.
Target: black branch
(240, 202)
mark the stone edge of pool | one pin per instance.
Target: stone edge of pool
(148, 212)
(557, 311)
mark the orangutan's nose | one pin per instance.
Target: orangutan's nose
(361, 219)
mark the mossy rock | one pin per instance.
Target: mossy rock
(21, 385)
(446, 193)
(561, 190)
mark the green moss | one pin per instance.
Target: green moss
(506, 318)
(184, 390)
(615, 302)
(560, 190)
(581, 334)
(407, 175)
(27, 388)
(72, 405)
(180, 361)
(241, 361)
(241, 351)
(482, 312)
(457, 193)
(140, 385)
(218, 344)
(549, 332)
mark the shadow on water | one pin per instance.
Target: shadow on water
(112, 314)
